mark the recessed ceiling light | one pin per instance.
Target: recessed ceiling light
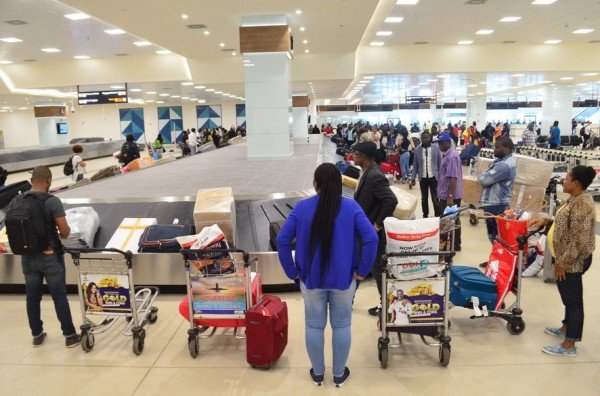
(384, 33)
(135, 90)
(199, 87)
(248, 64)
(185, 97)
(543, 2)
(302, 28)
(187, 83)
(163, 94)
(184, 16)
(307, 50)
(77, 16)
(552, 41)
(206, 32)
(163, 52)
(160, 101)
(365, 81)
(377, 43)
(50, 50)
(142, 43)
(151, 93)
(432, 80)
(590, 74)
(583, 31)
(210, 90)
(201, 101)
(114, 31)
(566, 78)
(407, 2)
(472, 85)
(510, 19)
(393, 19)
(218, 92)
(11, 40)
(221, 44)
(117, 87)
(545, 82)
(233, 54)
(304, 41)
(22, 108)
(81, 57)
(485, 31)
(175, 96)
(298, 12)
(465, 42)
(5, 62)
(517, 75)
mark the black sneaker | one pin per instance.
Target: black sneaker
(73, 341)
(39, 339)
(340, 381)
(374, 311)
(317, 379)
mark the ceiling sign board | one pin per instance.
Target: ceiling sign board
(102, 97)
(421, 100)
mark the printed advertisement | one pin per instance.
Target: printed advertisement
(104, 293)
(418, 301)
(224, 295)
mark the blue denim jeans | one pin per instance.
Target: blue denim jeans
(405, 164)
(492, 227)
(52, 268)
(316, 303)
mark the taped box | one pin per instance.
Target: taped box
(530, 198)
(471, 192)
(139, 163)
(407, 204)
(216, 206)
(127, 236)
(530, 171)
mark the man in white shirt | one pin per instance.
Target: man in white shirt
(193, 141)
(402, 309)
(426, 165)
(78, 163)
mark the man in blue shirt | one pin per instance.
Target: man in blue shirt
(497, 182)
(554, 136)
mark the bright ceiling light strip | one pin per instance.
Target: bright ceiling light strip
(163, 52)
(543, 2)
(552, 41)
(407, 2)
(142, 43)
(583, 31)
(485, 31)
(394, 19)
(11, 40)
(81, 57)
(384, 33)
(77, 16)
(114, 31)
(35, 92)
(50, 50)
(377, 43)
(510, 19)
(465, 42)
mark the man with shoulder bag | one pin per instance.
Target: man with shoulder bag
(34, 221)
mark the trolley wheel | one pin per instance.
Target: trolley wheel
(194, 346)
(129, 318)
(153, 317)
(515, 327)
(138, 342)
(384, 357)
(473, 220)
(444, 354)
(87, 341)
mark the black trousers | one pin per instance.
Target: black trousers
(553, 146)
(457, 239)
(379, 265)
(428, 185)
(571, 294)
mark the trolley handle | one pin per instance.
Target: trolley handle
(187, 252)
(417, 254)
(76, 252)
(522, 239)
(461, 209)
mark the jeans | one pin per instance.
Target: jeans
(405, 164)
(571, 294)
(457, 233)
(316, 302)
(492, 227)
(79, 177)
(193, 149)
(429, 185)
(52, 268)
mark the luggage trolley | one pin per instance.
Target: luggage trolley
(106, 288)
(417, 305)
(219, 286)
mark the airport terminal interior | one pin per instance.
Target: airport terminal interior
(198, 125)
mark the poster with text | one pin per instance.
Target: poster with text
(219, 295)
(105, 293)
(416, 301)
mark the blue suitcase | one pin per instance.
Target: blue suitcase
(466, 282)
(161, 238)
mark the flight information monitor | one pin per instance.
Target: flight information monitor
(102, 97)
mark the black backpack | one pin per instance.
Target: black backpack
(26, 226)
(68, 167)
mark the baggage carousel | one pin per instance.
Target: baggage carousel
(254, 213)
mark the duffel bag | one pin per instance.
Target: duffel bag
(162, 238)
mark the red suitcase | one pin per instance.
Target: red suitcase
(266, 331)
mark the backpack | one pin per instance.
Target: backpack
(127, 151)
(26, 226)
(68, 169)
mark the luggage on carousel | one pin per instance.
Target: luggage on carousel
(274, 229)
(109, 171)
(84, 223)
(352, 171)
(342, 151)
(467, 282)
(12, 190)
(266, 331)
(161, 238)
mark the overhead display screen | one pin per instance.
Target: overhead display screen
(102, 97)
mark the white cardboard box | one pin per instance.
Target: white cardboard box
(127, 236)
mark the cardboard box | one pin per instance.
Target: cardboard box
(529, 198)
(530, 171)
(140, 163)
(407, 204)
(127, 236)
(472, 190)
(216, 206)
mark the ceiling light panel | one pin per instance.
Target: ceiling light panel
(114, 31)
(510, 19)
(163, 52)
(377, 43)
(543, 2)
(5, 62)
(407, 2)
(552, 41)
(77, 16)
(484, 31)
(11, 40)
(583, 31)
(50, 50)
(394, 19)
(384, 33)
(465, 42)
(142, 43)
(81, 57)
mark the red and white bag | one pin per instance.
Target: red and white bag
(207, 237)
(501, 269)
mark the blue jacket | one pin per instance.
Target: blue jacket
(555, 135)
(419, 161)
(497, 181)
(350, 226)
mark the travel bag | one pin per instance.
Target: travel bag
(161, 238)
(274, 229)
(84, 223)
(342, 151)
(467, 282)
(352, 171)
(266, 331)
(12, 190)
(109, 171)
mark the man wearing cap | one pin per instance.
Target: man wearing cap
(376, 199)
(450, 180)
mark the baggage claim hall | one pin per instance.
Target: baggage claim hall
(299, 197)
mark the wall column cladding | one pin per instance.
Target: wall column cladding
(557, 105)
(240, 115)
(170, 123)
(300, 105)
(132, 122)
(266, 42)
(208, 116)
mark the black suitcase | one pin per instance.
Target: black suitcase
(342, 151)
(12, 190)
(161, 238)
(352, 172)
(274, 229)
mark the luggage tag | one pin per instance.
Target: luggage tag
(485, 311)
(475, 302)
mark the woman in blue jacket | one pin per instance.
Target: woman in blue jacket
(327, 265)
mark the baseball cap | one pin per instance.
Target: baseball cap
(444, 137)
(367, 148)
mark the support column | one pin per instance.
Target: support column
(476, 109)
(300, 103)
(312, 110)
(437, 115)
(557, 105)
(266, 43)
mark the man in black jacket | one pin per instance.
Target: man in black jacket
(375, 197)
